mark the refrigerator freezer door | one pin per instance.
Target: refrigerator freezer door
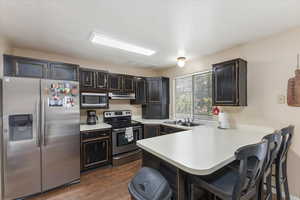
(22, 152)
(61, 133)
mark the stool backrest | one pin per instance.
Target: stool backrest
(249, 177)
(274, 141)
(287, 135)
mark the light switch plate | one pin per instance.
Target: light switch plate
(281, 99)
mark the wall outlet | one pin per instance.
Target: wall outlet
(281, 99)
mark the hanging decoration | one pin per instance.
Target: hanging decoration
(293, 93)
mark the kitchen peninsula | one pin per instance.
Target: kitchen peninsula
(200, 151)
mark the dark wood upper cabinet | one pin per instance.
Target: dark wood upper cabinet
(128, 84)
(24, 67)
(62, 71)
(87, 78)
(140, 89)
(101, 79)
(230, 83)
(93, 80)
(35, 68)
(115, 82)
(158, 90)
(158, 98)
(154, 90)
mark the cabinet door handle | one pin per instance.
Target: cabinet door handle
(105, 81)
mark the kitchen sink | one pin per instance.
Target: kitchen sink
(171, 122)
(191, 124)
(181, 123)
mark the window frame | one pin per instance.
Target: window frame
(192, 114)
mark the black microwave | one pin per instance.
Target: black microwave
(93, 100)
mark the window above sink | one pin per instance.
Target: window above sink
(193, 96)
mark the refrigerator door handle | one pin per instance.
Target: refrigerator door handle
(38, 131)
(43, 122)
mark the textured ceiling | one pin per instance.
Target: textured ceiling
(171, 27)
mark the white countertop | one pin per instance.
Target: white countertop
(99, 125)
(102, 125)
(204, 149)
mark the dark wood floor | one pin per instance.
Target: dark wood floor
(105, 184)
(100, 184)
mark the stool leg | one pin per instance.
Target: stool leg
(260, 189)
(269, 186)
(258, 194)
(278, 184)
(286, 185)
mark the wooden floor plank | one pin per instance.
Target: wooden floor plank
(105, 184)
(100, 184)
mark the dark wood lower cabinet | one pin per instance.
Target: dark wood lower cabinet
(165, 130)
(151, 130)
(95, 149)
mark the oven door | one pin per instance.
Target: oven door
(120, 142)
(94, 100)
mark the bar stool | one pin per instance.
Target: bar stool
(281, 163)
(149, 184)
(274, 143)
(232, 184)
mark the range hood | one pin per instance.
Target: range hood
(118, 95)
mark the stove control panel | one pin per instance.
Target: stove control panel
(121, 113)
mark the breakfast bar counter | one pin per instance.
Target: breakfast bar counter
(200, 151)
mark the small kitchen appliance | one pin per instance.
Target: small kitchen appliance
(89, 100)
(91, 117)
(223, 121)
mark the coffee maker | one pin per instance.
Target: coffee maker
(91, 117)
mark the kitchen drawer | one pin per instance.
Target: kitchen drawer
(90, 135)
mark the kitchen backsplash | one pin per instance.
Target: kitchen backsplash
(114, 105)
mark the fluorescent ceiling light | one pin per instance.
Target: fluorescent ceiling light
(102, 40)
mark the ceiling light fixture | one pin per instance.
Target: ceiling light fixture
(102, 40)
(181, 61)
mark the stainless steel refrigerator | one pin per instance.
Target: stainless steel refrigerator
(41, 135)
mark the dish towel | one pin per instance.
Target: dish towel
(129, 134)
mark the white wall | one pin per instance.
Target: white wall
(271, 62)
(4, 48)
